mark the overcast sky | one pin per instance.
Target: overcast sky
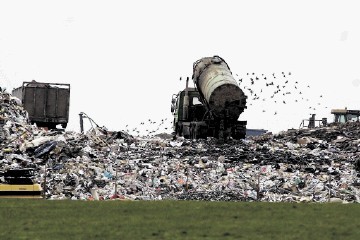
(124, 59)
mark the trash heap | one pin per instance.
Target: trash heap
(306, 165)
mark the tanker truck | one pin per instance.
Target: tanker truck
(212, 107)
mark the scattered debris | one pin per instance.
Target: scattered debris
(306, 165)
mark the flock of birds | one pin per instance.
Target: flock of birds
(264, 92)
(278, 89)
(149, 127)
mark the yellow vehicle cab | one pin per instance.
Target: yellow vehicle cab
(18, 183)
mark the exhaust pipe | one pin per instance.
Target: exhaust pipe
(186, 101)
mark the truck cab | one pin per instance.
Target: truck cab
(184, 115)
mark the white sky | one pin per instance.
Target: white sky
(124, 59)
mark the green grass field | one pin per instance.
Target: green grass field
(45, 219)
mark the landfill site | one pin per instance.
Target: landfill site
(308, 165)
(211, 160)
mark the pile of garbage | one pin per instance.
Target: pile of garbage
(306, 165)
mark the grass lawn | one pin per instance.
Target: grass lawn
(45, 219)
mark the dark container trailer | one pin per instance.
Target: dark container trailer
(46, 103)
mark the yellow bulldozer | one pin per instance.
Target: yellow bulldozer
(340, 116)
(18, 183)
(345, 115)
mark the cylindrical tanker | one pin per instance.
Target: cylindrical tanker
(217, 86)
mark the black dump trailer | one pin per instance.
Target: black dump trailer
(46, 103)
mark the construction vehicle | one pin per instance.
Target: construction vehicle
(46, 103)
(18, 183)
(345, 115)
(312, 122)
(213, 106)
(340, 116)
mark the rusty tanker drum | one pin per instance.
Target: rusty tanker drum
(218, 88)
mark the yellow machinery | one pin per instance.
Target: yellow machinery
(18, 183)
(345, 115)
(340, 116)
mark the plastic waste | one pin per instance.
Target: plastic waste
(45, 148)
